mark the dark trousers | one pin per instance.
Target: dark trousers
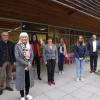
(36, 60)
(27, 84)
(50, 69)
(93, 61)
(61, 62)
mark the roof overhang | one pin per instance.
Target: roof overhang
(47, 12)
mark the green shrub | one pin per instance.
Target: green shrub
(98, 70)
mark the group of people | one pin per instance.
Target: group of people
(24, 55)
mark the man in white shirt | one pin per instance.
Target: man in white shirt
(93, 47)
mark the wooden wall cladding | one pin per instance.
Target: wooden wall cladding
(47, 12)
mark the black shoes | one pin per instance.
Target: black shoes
(1, 92)
(91, 71)
(39, 78)
(9, 89)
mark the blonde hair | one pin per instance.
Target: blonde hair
(21, 35)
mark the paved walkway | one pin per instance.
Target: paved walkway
(66, 87)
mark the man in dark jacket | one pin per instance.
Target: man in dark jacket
(93, 48)
(7, 58)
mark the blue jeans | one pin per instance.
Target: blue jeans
(79, 68)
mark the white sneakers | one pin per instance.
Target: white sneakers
(82, 79)
(78, 79)
(61, 72)
(29, 97)
(22, 98)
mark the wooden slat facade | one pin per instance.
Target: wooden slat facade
(47, 12)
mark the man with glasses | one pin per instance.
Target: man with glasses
(7, 58)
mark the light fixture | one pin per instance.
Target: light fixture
(42, 29)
